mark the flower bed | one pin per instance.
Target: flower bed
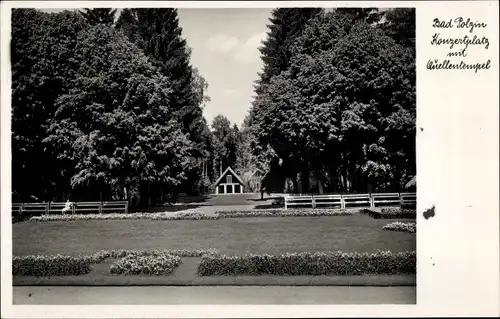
(114, 216)
(331, 263)
(286, 213)
(45, 266)
(154, 264)
(399, 226)
(59, 265)
(155, 252)
(391, 213)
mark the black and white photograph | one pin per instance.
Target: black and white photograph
(214, 156)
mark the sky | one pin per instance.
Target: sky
(224, 45)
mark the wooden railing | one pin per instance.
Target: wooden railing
(75, 208)
(350, 200)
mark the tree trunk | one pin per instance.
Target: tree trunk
(149, 194)
(319, 180)
(304, 178)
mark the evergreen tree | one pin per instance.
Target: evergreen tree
(104, 16)
(286, 25)
(157, 32)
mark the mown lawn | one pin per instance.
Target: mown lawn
(235, 236)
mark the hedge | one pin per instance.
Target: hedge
(391, 213)
(46, 266)
(59, 265)
(117, 216)
(403, 227)
(155, 264)
(307, 264)
(286, 213)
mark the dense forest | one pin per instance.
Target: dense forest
(108, 106)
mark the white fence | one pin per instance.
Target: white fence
(349, 200)
(75, 208)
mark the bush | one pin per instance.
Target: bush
(399, 226)
(176, 252)
(285, 213)
(44, 266)
(118, 216)
(154, 264)
(310, 264)
(391, 213)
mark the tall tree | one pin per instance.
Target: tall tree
(157, 32)
(42, 47)
(286, 25)
(348, 108)
(400, 25)
(114, 125)
(95, 16)
(225, 142)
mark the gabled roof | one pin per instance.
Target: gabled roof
(412, 182)
(232, 172)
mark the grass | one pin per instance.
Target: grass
(230, 236)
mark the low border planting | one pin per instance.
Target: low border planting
(46, 266)
(125, 216)
(60, 265)
(390, 213)
(285, 213)
(402, 227)
(154, 264)
(307, 264)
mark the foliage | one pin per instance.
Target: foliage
(391, 213)
(225, 141)
(122, 216)
(41, 57)
(156, 31)
(347, 107)
(399, 226)
(114, 125)
(315, 264)
(59, 265)
(400, 25)
(99, 16)
(43, 266)
(286, 213)
(163, 264)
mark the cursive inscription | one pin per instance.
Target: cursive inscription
(458, 46)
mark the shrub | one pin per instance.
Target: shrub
(176, 252)
(154, 264)
(58, 265)
(286, 213)
(399, 226)
(390, 213)
(297, 264)
(118, 216)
